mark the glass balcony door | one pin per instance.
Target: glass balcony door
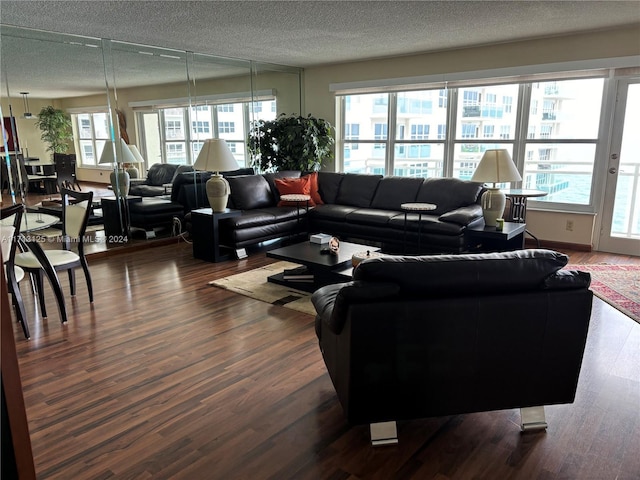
(620, 228)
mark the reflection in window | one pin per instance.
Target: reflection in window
(91, 130)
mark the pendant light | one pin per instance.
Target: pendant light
(25, 100)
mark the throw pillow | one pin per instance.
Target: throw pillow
(298, 186)
(314, 190)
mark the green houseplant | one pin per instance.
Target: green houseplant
(290, 143)
(55, 125)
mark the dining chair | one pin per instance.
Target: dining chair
(76, 208)
(9, 242)
(65, 167)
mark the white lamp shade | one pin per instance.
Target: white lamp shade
(122, 155)
(215, 156)
(136, 154)
(496, 166)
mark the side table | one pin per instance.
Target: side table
(485, 238)
(115, 215)
(297, 199)
(205, 231)
(418, 208)
(516, 210)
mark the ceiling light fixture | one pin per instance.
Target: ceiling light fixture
(25, 100)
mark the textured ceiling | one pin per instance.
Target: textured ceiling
(309, 33)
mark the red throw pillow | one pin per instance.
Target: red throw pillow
(298, 186)
(314, 192)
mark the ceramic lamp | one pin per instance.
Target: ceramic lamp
(216, 157)
(495, 166)
(132, 170)
(118, 152)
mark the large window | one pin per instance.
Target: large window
(550, 128)
(91, 131)
(179, 144)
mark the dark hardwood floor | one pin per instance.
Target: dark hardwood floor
(166, 377)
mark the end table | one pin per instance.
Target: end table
(205, 231)
(485, 238)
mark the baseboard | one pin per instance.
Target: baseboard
(551, 245)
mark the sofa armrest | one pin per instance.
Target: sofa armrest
(331, 302)
(567, 280)
(463, 215)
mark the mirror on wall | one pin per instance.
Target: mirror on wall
(165, 102)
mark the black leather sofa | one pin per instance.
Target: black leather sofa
(425, 336)
(158, 175)
(358, 207)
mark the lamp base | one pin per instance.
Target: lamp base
(218, 191)
(133, 172)
(493, 203)
(120, 183)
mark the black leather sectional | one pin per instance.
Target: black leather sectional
(357, 207)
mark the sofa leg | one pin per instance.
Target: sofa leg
(383, 433)
(148, 234)
(533, 418)
(241, 253)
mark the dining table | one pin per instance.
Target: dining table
(29, 238)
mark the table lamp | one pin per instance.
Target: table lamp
(132, 170)
(119, 179)
(216, 157)
(495, 166)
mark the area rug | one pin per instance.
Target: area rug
(254, 284)
(618, 285)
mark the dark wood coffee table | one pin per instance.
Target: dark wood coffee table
(324, 268)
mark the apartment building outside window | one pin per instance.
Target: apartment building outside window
(556, 124)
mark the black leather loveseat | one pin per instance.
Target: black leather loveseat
(357, 207)
(425, 336)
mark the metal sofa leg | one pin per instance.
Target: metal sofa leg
(533, 418)
(383, 433)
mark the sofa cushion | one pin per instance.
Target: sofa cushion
(160, 173)
(335, 213)
(394, 191)
(263, 216)
(313, 191)
(294, 186)
(357, 189)
(250, 191)
(329, 185)
(371, 216)
(425, 223)
(448, 193)
(271, 180)
(472, 274)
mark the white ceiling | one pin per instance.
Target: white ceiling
(306, 33)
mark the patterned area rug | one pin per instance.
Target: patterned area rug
(254, 284)
(618, 285)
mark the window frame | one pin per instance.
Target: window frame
(520, 138)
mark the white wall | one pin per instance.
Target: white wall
(621, 42)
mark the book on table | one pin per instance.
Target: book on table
(299, 274)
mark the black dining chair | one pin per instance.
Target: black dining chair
(76, 209)
(65, 167)
(10, 232)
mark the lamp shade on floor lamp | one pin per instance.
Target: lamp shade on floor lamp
(496, 166)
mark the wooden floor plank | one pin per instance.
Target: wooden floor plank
(165, 376)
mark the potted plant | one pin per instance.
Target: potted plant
(56, 128)
(290, 143)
